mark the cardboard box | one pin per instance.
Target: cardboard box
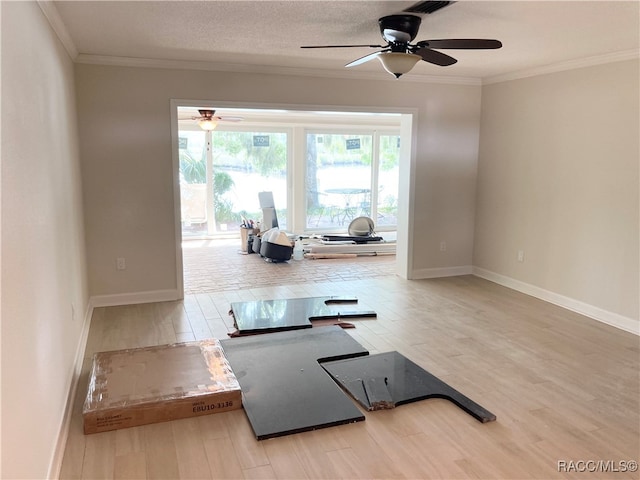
(157, 384)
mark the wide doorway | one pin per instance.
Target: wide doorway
(323, 169)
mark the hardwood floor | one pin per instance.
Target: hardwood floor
(564, 388)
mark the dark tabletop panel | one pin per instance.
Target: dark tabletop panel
(284, 388)
(365, 378)
(264, 316)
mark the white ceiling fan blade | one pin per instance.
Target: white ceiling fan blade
(230, 119)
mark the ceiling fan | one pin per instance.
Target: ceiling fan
(399, 55)
(209, 121)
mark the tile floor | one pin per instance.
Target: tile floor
(218, 265)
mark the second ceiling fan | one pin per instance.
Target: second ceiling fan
(399, 55)
(208, 120)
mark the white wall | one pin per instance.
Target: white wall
(43, 257)
(558, 179)
(127, 161)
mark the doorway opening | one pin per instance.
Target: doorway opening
(324, 168)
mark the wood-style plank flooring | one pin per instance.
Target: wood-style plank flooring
(565, 388)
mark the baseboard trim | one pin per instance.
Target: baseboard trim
(615, 320)
(423, 273)
(134, 298)
(55, 466)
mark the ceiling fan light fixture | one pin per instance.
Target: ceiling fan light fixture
(208, 124)
(398, 63)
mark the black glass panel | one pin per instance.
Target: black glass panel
(264, 316)
(405, 382)
(284, 388)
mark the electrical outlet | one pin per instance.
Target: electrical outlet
(121, 264)
(521, 255)
(443, 246)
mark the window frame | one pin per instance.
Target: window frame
(375, 134)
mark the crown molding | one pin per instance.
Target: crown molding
(563, 66)
(352, 74)
(53, 17)
(268, 69)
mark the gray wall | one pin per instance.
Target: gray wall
(44, 282)
(128, 172)
(558, 179)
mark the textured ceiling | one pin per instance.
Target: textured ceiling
(264, 35)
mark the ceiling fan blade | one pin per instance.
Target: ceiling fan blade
(427, 7)
(229, 119)
(437, 58)
(340, 46)
(461, 43)
(364, 59)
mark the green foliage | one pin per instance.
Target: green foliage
(332, 150)
(222, 183)
(223, 208)
(195, 171)
(389, 152)
(390, 205)
(224, 211)
(192, 170)
(236, 149)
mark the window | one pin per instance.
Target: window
(350, 175)
(250, 162)
(221, 173)
(387, 182)
(323, 168)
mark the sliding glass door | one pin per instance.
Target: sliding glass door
(195, 209)
(221, 173)
(387, 168)
(250, 162)
(338, 180)
(350, 175)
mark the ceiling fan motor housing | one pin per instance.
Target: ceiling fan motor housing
(207, 114)
(407, 24)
